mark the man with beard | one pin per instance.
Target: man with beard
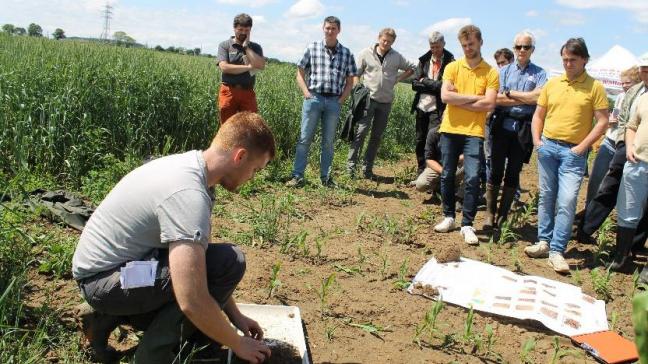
(145, 256)
(469, 89)
(239, 59)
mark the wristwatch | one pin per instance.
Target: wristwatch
(508, 93)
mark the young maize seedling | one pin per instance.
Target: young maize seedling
(371, 328)
(559, 354)
(274, 280)
(601, 283)
(324, 292)
(527, 348)
(402, 281)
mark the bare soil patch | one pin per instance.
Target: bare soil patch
(370, 239)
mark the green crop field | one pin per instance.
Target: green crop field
(80, 115)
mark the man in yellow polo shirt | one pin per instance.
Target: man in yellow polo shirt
(563, 133)
(469, 89)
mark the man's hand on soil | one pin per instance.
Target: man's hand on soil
(248, 327)
(252, 350)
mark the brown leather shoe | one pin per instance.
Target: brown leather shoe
(96, 328)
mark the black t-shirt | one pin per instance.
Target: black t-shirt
(232, 53)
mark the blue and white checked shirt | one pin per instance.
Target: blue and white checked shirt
(526, 79)
(327, 70)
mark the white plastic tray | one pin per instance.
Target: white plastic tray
(279, 323)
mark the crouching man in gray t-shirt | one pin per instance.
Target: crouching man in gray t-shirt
(159, 215)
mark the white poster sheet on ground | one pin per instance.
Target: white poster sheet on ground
(561, 307)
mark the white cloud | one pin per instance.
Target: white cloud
(539, 33)
(248, 3)
(532, 13)
(568, 18)
(401, 2)
(448, 27)
(637, 7)
(258, 19)
(305, 9)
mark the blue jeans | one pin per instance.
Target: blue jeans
(633, 194)
(560, 175)
(600, 168)
(452, 146)
(326, 108)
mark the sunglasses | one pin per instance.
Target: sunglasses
(525, 47)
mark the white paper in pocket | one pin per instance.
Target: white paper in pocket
(138, 274)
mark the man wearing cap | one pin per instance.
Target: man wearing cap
(239, 60)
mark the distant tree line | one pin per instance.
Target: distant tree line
(119, 38)
(33, 30)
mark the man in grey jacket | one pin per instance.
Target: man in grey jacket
(378, 66)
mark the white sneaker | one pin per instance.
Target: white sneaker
(468, 233)
(539, 250)
(447, 224)
(558, 263)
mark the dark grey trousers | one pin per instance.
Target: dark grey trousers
(154, 308)
(376, 119)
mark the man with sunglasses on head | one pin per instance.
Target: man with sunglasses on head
(512, 144)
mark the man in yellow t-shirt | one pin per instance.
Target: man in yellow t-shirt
(469, 89)
(563, 133)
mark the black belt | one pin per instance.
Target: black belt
(234, 85)
(329, 94)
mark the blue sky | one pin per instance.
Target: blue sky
(284, 27)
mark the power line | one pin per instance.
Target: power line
(107, 15)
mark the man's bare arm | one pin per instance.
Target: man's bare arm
(256, 61)
(405, 75)
(602, 117)
(301, 82)
(234, 69)
(451, 97)
(436, 166)
(348, 85)
(537, 125)
(189, 277)
(485, 103)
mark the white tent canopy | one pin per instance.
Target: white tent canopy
(608, 68)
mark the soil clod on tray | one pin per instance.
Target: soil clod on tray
(447, 253)
(282, 353)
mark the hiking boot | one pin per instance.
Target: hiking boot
(539, 250)
(295, 182)
(96, 328)
(468, 233)
(643, 276)
(328, 182)
(370, 176)
(446, 225)
(583, 238)
(558, 263)
(491, 206)
(624, 240)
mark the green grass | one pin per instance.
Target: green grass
(66, 106)
(81, 115)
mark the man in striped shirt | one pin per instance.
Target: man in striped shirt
(325, 77)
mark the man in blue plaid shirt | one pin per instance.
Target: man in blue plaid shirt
(325, 76)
